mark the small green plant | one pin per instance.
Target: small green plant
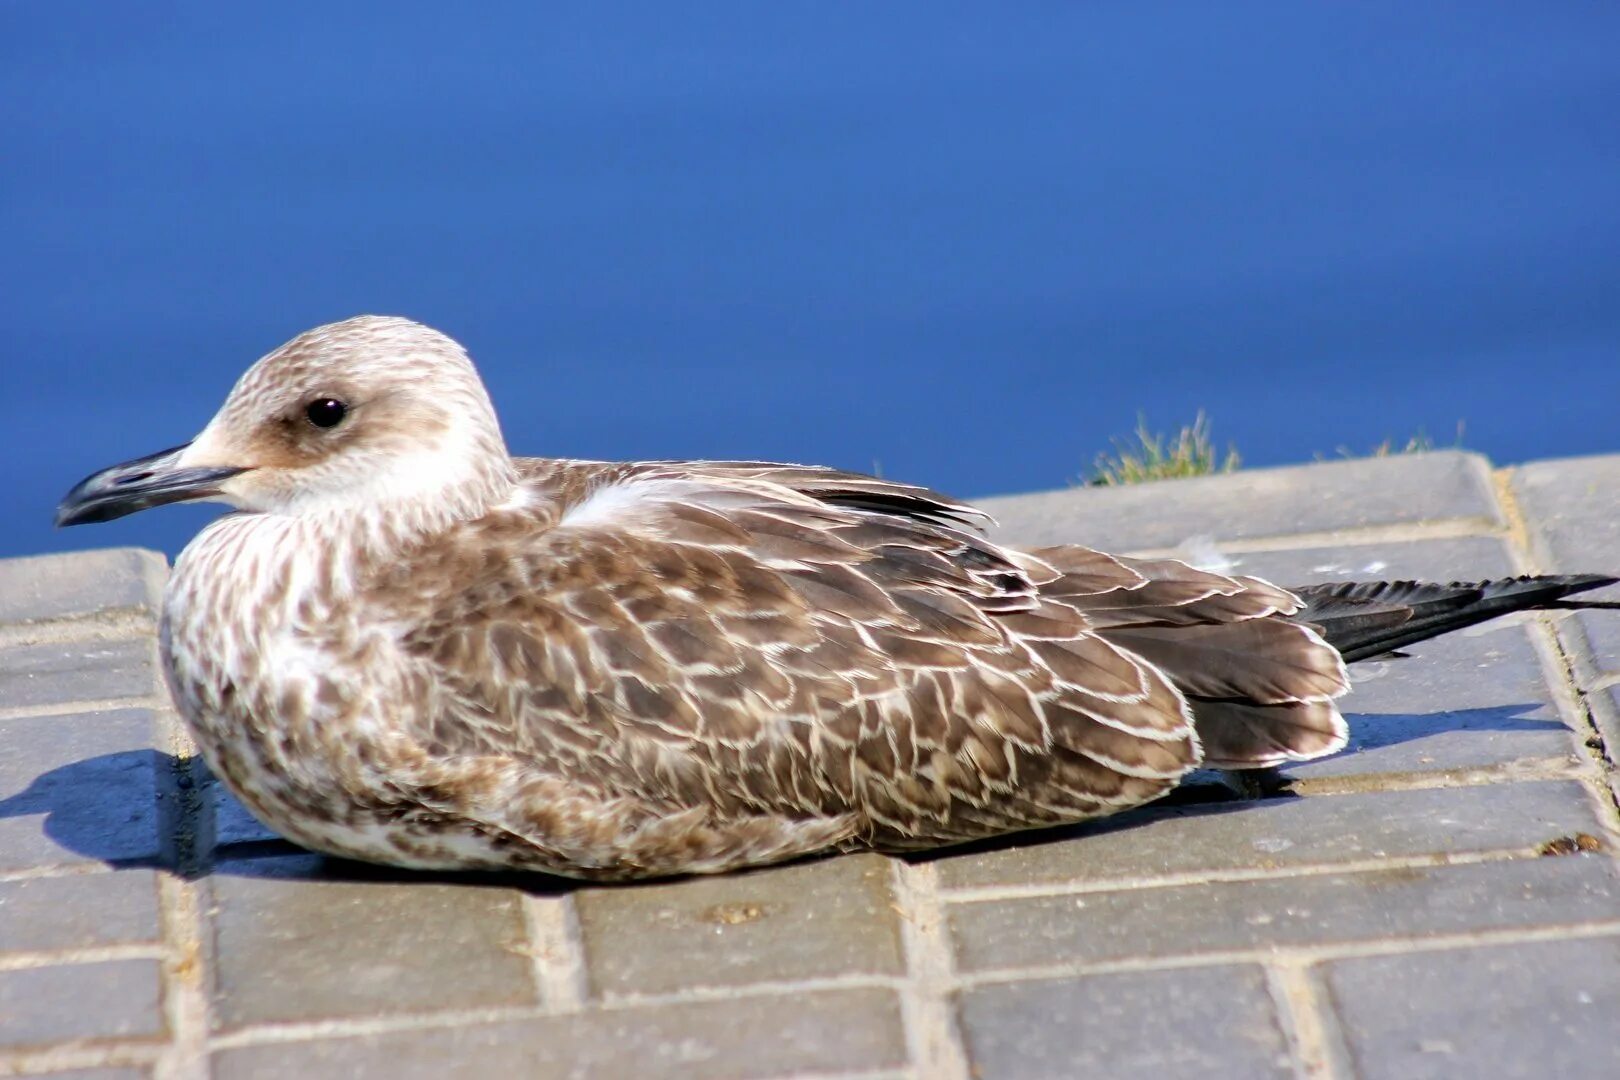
(1415, 444)
(1149, 455)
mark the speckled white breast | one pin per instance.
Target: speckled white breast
(288, 696)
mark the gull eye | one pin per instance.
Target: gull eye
(326, 412)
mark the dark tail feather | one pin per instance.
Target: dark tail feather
(1364, 619)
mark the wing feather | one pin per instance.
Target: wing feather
(809, 643)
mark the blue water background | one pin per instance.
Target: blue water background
(960, 244)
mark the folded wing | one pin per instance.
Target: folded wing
(798, 644)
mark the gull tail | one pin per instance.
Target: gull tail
(1367, 619)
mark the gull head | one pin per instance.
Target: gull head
(373, 414)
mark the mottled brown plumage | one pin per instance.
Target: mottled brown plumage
(414, 649)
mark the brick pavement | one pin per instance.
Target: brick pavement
(1403, 911)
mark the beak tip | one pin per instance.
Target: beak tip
(136, 485)
(70, 512)
(84, 504)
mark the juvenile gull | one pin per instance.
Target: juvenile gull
(409, 647)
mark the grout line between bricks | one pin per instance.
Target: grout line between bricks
(186, 816)
(1309, 1025)
(932, 1040)
(344, 1027)
(57, 870)
(185, 998)
(96, 954)
(1351, 536)
(788, 987)
(557, 952)
(114, 625)
(978, 894)
(1304, 954)
(1577, 711)
(1559, 664)
(75, 708)
(1521, 770)
(351, 1027)
(1528, 557)
(76, 1056)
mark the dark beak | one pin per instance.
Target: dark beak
(136, 485)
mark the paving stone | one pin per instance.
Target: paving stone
(292, 945)
(1279, 833)
(1206, 1022)
(1449, 559)
(1441, 486)
(1457, 703)
(1533, 1010)
(1323, 909)
(46, 1005)
(797, 922)
(79, 911)
(1572, 507)
(77, 787)
(233, 824)
(819, 1033)
(81, 583)
(1472, 699)
(59, 673)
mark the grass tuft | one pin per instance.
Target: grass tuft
(1150, 455)
(1420, 443)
